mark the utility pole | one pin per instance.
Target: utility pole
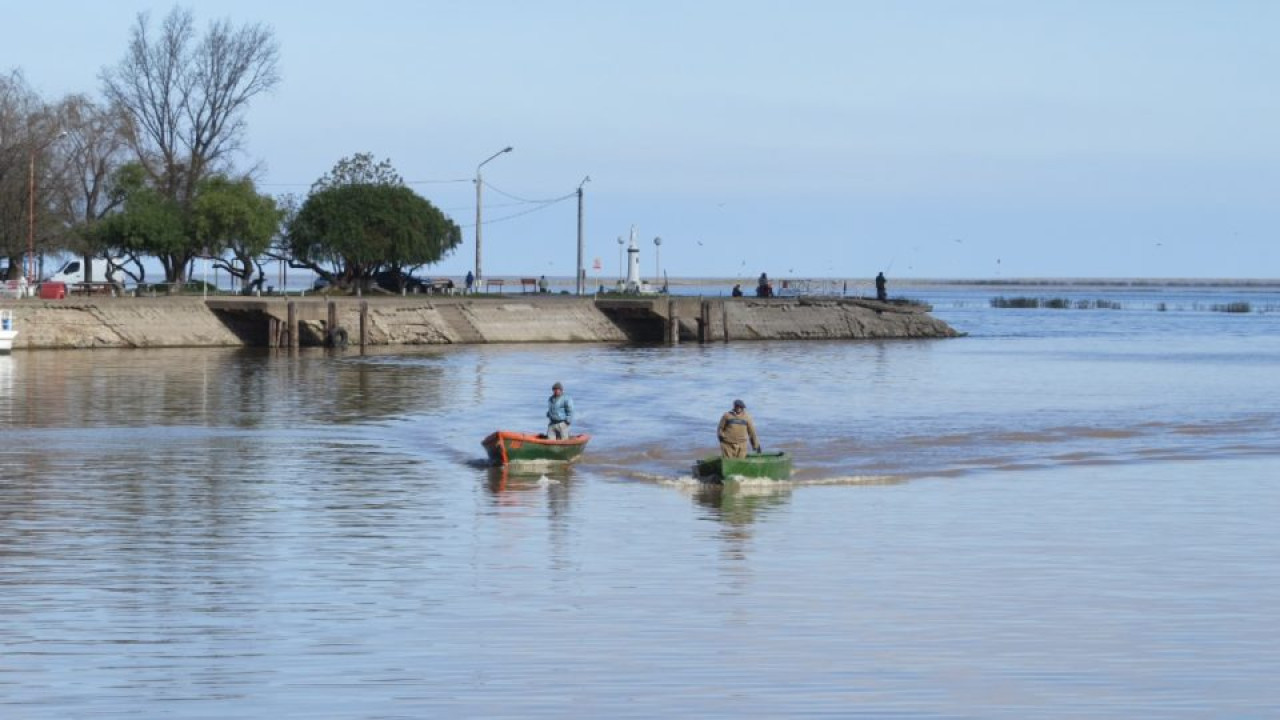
(31, 219)
(581, 271)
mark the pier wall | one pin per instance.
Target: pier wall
(118, 323)
(820, 319)
(227, 321)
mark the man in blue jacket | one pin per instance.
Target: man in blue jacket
(559, 413)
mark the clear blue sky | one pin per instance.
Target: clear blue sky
(926, 139)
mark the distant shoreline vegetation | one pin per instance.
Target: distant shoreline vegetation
(1114, 282)
(998, 282)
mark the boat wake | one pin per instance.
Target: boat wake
(743, 483)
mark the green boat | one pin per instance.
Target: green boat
(771, 465)
(514, 448)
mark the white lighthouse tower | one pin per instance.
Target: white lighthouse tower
(633, 264)
(633, 283)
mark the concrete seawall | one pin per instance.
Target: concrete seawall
(414, 320)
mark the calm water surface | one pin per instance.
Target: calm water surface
(1067, 513)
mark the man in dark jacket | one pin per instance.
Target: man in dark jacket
(736, 430)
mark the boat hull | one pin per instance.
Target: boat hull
(772, 466)
(515, 448)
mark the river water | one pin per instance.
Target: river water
(1067, 513)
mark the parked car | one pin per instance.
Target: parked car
(16, 288)
(394, 280)
(388, 280)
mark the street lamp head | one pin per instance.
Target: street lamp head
(657, 241)
(619, 239)
(506, 149)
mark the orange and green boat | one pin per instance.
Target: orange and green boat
(506, 447)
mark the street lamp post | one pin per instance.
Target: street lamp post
(582, 274)
(479, 185)
(31, 205)
(657, 261)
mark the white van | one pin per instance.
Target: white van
(73, 271)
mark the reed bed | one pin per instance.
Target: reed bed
(1232, 307)
(1055, 303)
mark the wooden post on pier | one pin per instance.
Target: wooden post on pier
(273, 332)
(673, 323)
(724, 319)
(293, 325)
(331, 325)
(704, 322)
(364, 324)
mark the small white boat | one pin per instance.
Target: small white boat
(7, 333)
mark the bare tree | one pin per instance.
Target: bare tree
(96, 146)
(27, 132)
(186, 99)
(15, 100)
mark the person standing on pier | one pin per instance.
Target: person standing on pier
(881, 293)
(471, 281)
(736, 430)
(559, 413)
(763, 287)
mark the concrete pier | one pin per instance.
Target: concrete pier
(417, 320)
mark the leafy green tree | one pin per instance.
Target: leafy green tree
(361, 219)
(226, 217)
(146, 223)
(231, 219)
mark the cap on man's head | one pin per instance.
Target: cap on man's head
(739, 404)
(557, 386)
